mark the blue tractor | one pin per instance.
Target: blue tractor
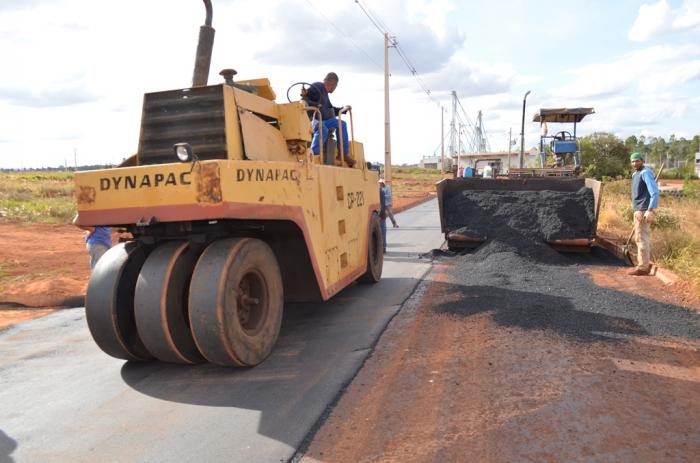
(563, 145)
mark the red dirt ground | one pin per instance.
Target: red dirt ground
(446, 388)
(47, 267)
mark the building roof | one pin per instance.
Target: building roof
(562, 114)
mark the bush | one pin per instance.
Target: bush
(678, 173)
(665, 219)
(691, 189)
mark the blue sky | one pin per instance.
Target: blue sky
(76, 70)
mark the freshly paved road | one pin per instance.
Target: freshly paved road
(63, 400)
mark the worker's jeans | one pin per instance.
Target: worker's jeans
(96, 251)
(390, 213)
(330, 124)
(382, 224)
(642, 237)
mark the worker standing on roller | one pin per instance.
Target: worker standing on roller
(645, 200)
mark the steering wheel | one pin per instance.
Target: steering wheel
(563, 135)
(309, 101)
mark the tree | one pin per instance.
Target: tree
(631, 142)
(695, 145)
(604, 155)
(658, 151)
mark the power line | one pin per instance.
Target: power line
(384, 29)
(318, 12)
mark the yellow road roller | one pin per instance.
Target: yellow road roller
(229, 214)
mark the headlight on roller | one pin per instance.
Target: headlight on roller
(183, 151)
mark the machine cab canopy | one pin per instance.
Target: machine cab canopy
(563, 115)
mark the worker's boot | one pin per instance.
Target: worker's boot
(639, 271)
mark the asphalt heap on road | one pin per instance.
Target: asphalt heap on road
(519, 276)
(528, 215)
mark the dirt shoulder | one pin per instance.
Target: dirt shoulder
(45, 267)
(456, 377)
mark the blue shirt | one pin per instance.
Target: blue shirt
(101, 235)
(645, 193)
(387, 195)
(382, 204)
(318, 95)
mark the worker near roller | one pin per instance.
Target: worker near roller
(388, 202)
(98, 240)
(645, 200)
(382, 211)
(317, 95)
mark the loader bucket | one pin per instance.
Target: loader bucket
(470, 227)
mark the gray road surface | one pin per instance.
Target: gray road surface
(63, 400)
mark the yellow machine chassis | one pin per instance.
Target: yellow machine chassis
(331, 206)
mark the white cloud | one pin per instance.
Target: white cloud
(471, 78)
(432, 13)
(659, 18)
(647, 70)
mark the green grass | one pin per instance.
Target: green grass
(37, 197)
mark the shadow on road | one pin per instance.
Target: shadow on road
(532, 311)
(555, 296)
(320, 348)
(7, 446)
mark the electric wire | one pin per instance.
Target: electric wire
(475, 136)
(328, 20)
(383, 29)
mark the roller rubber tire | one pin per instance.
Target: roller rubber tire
(109, 303)
(160, 303)
(236, 302)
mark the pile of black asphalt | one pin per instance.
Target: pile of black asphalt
(523, 282)
(536, 215)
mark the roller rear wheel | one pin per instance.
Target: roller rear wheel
(109, 303)
(236, 302)
(160, 303)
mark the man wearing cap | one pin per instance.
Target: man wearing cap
(645, 200)
(317, 95)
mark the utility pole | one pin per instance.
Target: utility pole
(75, 158)
(442, 140)
(453, 129)
(522, 132)
(387, 130)
(510, 144)
(459, 146)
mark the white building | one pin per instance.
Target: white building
(697, 164)
(433, 162)
(500, 161)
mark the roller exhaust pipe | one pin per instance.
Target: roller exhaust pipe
(204, 49)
